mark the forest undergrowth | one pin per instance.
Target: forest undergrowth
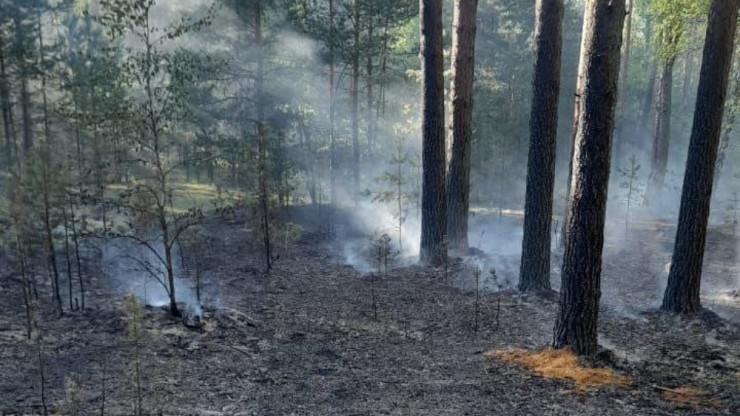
(315, 336)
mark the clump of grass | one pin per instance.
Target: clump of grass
(561, 364)
(688, 397)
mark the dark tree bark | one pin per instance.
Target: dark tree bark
(75, 240)
(581, 278)
(47, 220)
(68, 258)
(42, 73)
(625, 72)
(262, 133)
(433, 211)
(661, 131)
(684, 279)
(381, 101)
(332, 110)
(5, 105)
(647, 102)
(534, 273)
(25, 96)
(461, 91)
(26, 287)
(354, 102)
(622, 139)
(370, 80)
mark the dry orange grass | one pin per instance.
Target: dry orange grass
(689, 397)
(561, 364)
(684, 396)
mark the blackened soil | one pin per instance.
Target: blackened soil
(309, 339)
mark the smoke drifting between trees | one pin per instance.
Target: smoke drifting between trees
(127, 120)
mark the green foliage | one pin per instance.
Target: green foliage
(676, 23)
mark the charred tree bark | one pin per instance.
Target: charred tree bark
(534, 273)
(661, 131)
(684, 279)
(576, 322)
(433, 210)
(461, 91)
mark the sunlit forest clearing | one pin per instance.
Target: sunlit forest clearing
(369, 207)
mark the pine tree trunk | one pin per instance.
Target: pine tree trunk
(433, 212)
(461, 91)
(25, 96)
(661, 132)
(380, 103)
(620, 137)
(576, 324)
(370, 80)
(684, 278)
(5, 106)
(534, 273)
(42, 73)
(646, 108)
(332, 109)
(574, 131)
(354, 103)
(649, 95)
(76, 242)
(68, 257)
(50, 249)
(729, 125)
(262, 133)
(167, 248)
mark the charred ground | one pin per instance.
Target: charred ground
(304, 340)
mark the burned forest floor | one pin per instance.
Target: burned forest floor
(316, 336)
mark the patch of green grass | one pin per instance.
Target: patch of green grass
(202, 196)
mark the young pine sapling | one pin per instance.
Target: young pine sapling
(476, 275)
(629, 184)
(397, 195)
(499, 287)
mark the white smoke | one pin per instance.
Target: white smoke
(136, 268)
